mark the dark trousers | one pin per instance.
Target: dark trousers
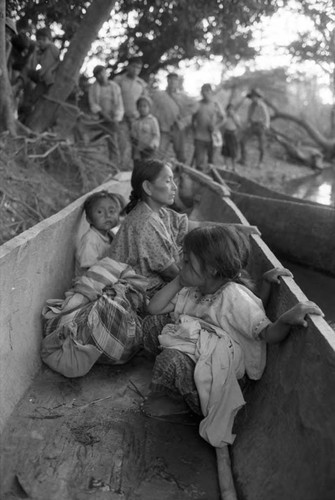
(178, 138)
(254, 130)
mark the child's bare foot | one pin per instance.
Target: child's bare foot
(158, 404)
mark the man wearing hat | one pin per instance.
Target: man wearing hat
(106, 103)
(258, 122)
(132, 88)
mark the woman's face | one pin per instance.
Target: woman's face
(162, 190)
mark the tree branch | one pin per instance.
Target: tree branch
(320, 139)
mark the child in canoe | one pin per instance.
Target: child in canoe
(219, 334)
(102, 210)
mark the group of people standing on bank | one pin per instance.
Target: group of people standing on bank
(153, 123)
(128, 113)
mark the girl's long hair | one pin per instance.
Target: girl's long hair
(147, 170)
(222, 248)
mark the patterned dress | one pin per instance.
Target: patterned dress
(150, 242)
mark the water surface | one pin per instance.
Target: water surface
(319, 187)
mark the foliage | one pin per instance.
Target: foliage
(166, 32)
(67, 14)
(317, 44)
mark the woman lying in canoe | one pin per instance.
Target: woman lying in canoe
(219, 335)
(151, 236)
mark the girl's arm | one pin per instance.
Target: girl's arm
(271, 276)
(220, 115)
(279, 330)
(156, 135)
(170, 272)
(161, 301)
(237, 120)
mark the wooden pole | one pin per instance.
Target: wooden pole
(225, 475)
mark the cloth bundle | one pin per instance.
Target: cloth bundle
(97, 320)
(218, 366)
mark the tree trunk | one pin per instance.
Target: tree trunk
(7, 121)
(332, 112)
(326, 145)
(309, 156)
(43, 115)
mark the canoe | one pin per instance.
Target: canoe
(237, 182)
(85, 438)
(299, 230)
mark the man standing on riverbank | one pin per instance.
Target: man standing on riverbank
(132, 88)
(258, 122)
(174, 110)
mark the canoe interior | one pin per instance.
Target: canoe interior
(87, 438)
(36, 265)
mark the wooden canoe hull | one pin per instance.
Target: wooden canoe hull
(298, 230)
(285, 445)
(287, 417)
(239, 183)
(36, 265)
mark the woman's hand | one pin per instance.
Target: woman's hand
(272, 276)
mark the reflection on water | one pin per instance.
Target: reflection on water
(319, 187)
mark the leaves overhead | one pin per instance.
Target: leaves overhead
(317, 44)
(165, 32)
(65, 13)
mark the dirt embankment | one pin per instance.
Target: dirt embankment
(40, 176)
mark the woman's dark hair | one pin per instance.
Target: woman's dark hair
(147, 170)
(224, 248)
(93, 198)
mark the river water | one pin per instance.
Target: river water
(319, 187)
(318, 287)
